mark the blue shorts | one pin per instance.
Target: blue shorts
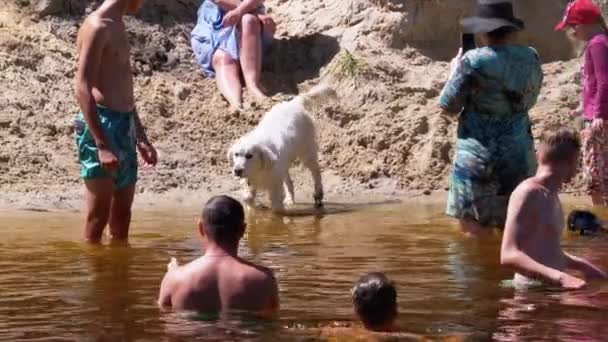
(119, 132)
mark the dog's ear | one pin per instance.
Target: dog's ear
(266, 156)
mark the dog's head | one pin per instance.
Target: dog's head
(249, 159)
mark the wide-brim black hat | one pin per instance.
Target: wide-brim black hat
(492, 15)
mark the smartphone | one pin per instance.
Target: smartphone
(468, 42)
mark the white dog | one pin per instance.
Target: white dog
(262, 157)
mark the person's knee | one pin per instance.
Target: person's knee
(222, 59)
(250, 24)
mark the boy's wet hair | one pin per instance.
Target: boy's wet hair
(559, 144)
(375, 299)
(224, 219)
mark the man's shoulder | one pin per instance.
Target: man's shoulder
(258, 273)
(530, 190)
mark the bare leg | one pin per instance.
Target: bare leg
(99, 200)
(120, 215)
(251, 53)
(291, 199)
(227, 76)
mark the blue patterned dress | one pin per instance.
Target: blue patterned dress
(493, 89)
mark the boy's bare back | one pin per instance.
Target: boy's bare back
(103, 61)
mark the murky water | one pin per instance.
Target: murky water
(52, 287)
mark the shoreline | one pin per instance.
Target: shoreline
(73, 201)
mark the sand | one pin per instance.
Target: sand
(384, 139)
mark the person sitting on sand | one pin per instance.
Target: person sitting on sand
(229, 39)
(220, 280)
(535, 219)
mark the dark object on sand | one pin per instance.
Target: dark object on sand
(468, 42)
(585, 222)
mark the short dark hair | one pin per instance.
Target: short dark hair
(501, 33)
(223, 219)
(375, 298)
(559, 144)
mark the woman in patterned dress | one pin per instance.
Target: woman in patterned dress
(492, 88)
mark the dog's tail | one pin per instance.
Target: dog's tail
(318, 95)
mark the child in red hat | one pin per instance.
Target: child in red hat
(584, 19)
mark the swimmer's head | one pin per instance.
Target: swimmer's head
(134, 5)
(560, 148)
(223, 221)
(375, 301)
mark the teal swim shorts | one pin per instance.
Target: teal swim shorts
(119, 131)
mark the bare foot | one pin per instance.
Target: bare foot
(258, 93)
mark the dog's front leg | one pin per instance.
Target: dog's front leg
(277, 196)
(249, 195)
(291, 199)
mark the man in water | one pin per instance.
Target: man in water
(107, 121)
(535, 219)
(220, 280)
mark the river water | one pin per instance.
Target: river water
(55, 288)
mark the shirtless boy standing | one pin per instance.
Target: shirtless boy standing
(220, 280)
(108, 129)
(535, 219)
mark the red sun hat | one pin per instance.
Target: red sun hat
(579, 12)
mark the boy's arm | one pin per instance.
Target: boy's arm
(580, 264)
(140, 130)
(147, 151)
(523, 216)
(93, 41)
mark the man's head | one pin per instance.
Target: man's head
(134, 5)
(559, 148)
(375, 301)
(223, 221)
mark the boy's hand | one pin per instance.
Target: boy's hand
(108, 160)
(569, 282)
(148, 154)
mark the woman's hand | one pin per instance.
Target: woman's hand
(597, 125)
(270, 26)
(232, 18)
